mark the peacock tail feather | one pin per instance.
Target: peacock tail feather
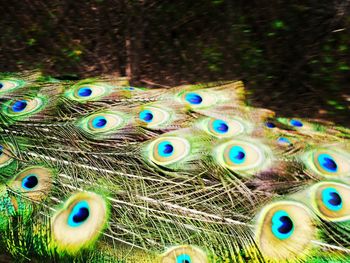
(99, 171)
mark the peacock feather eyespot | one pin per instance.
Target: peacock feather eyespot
(329, 200)
(284, 141)
(184, 254)
(34, 182)
(30, 182)
(153, 116)
(10, 84)
(84, 92)
(242, 155)
(282, 225)
(79, 223)
(270, 125)
(223, 128)
(332, 199)
(165, 149)
(24, 107)
(193, 98)
(19, 105)
(220, 126)
(199, 99)
(79, 214)
(328, 162)
(183, 258)
(101, 123)
(132, 89)
(302, 126)
(146, 116)
(296, 123)
(169, 149)
(237, 155)
(88, 91)
(284, 230)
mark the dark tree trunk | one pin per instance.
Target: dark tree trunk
(133, 40)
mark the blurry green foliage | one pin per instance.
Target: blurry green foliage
(214, 58)
(31, 41)
(278, 24)
(285, 51)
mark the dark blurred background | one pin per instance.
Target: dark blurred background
(294, 56)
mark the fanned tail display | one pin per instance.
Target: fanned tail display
(99, 171)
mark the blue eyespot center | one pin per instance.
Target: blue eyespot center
(283, 140)
(84, 92)
(183, 258)
(80, 213)
(270, 125)
(193, 98)
(99, 122)
(327, 163)
(1, 85)
(165, 149)
(237, 155)
(30, 181)
(19, 105)
(282, 225)
(296, 123)
(146, 116)
(220, 126)
(332, 199)
(129, 88)
(1, 150)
